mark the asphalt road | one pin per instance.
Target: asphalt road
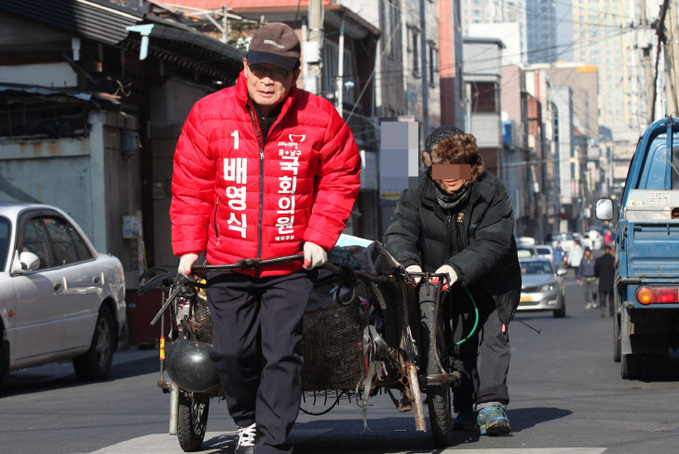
(567, 398)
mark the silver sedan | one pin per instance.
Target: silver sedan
(59, 297)
(542, 287)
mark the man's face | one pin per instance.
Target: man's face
(268, 85)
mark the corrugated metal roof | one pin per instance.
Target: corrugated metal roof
(94, 19)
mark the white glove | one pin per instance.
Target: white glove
(452, 275)
(186, 262)
(415, 269)
(314, 255)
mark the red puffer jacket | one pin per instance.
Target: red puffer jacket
(235, 199)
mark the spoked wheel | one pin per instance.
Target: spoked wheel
(192, 421)
(438, 394)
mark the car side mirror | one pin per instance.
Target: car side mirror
(26, 261)
(605, 209)
(561, 271)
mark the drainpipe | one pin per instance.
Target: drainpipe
(340, 72)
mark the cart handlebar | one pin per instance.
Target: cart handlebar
(247, 263)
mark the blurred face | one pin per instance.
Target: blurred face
(268, 85)
(450, 177)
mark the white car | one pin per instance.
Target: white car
(594, 240)
(59, 298)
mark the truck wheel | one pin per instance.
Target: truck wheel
(657, 366)
(631, 366)
(617, 341)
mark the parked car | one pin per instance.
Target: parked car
(59, 298)
(524, 251)
(542, 287)
(545, 251)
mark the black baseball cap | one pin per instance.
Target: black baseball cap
(275, 43)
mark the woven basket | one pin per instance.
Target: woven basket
(332, 347)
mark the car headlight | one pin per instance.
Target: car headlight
(546, 288)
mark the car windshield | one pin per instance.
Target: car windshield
(536, 267)
(4, 240)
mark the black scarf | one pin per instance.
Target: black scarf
(454, 201)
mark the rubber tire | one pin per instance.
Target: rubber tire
(192, 421)
(4, 355)
(561, 313)
(95, 364)
(631, 366)
(657, 366)
(438, 396)
(617, 340)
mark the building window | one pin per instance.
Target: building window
(392, 26)
(484, 97)
(415, 51)
(433, 62)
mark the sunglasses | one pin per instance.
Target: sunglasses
(272, 73)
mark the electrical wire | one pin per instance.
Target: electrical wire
(476, 319)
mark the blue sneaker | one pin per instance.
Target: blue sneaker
(492, 420)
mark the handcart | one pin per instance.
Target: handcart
(368, 328)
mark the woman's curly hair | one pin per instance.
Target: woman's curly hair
(456, 149)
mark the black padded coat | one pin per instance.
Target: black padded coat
(477, 240)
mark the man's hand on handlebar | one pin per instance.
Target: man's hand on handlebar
(186, 263)
(314, 256)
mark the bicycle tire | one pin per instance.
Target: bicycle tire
(433, 352)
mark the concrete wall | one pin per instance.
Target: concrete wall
(171, 105)
(88, 178)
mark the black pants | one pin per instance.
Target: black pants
(483, 360)
(257, 326)
(603, 296)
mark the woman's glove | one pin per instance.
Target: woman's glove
(452, 275)
(186, 263)
(314, 256)
(415, 269)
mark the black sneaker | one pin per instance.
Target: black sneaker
(247, 437)
(465, 420)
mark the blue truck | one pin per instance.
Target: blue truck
(646, 321)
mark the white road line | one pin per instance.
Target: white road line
(222, 442)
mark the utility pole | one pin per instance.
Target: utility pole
(671, 55)
(648, 66)
(423, 58)
(313, 47)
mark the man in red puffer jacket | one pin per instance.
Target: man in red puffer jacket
(261, 170)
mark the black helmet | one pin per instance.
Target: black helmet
(189, 366)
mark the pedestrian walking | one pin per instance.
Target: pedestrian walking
(559, 254)
(575, 256)
(587, 277)
(604, 269)
(262, 169)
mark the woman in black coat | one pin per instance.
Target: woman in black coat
(459, 221)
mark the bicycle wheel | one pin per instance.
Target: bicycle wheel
(192, 421)
(435, 362)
